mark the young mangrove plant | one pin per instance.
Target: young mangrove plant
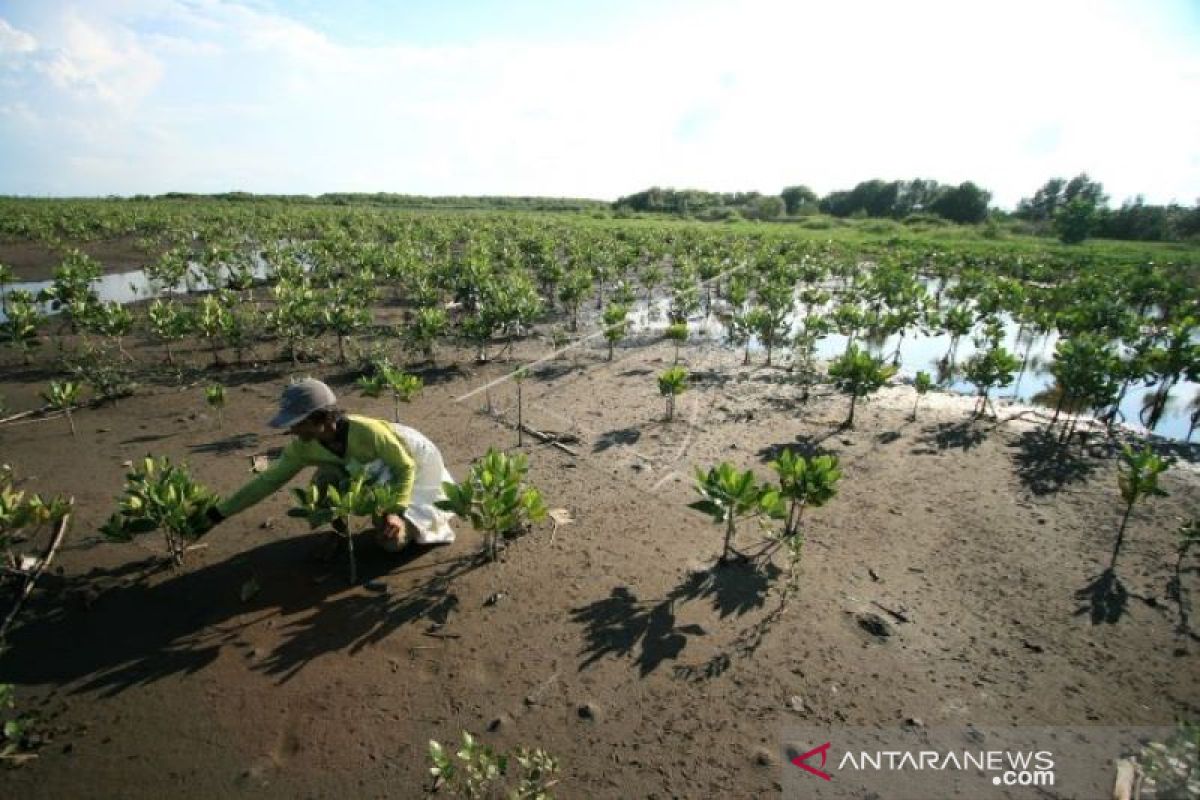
(341, 315)
(20, 329)
(775, 306)
(404, 387)
(212, 320)
(371, 385)
(804, 483)
(7, 276)
(1086, 370)
(169, 323)
(672, 383)
(63, 396)
(495, 498)
(109, 377)
(1137, 478)
(423, 330)
(615, 326)
(922, 383)
(987, 369)
(340, 505)
(740, 331)
(677, 332)
(214, 395)
(71, 291)
(480, 772)
(162, 496)
(727, 495)
(113, 321)
(519, 375)
(22, 515)
(859, 374)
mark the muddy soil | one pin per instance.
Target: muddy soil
(36, 261)
(958, 576)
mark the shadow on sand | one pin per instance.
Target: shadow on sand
(112, 630)
(622, 625)
(1045, 466)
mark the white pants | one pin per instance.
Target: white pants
(432, 524)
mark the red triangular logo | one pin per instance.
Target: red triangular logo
(800, 759)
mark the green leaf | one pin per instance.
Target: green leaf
(141, 525)
(13, 730)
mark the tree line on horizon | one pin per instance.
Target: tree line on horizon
(1071, 209)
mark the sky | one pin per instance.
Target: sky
(597, 99)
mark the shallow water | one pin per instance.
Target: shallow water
(917, 350)
(920, 352)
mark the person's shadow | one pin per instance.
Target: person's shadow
(127, 627)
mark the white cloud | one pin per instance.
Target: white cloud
(747, 96)
(13, 40)
(101, 62)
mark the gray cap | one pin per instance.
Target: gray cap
(301, 399)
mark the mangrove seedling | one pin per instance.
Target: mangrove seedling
(922, 383)
(212, 321)
(404, 387)
(214, 395)
(169, 323)
(423, 330)
(672, 383)
(615, 326)
(519, 375)
(677, 332)
(495, 498)
(986, 369)
(20, 330)
(804, 483)
(480, 772)
(372, 385)
(22, 515)
(63, 396)
(1137, 478)
(162, 496)
(339, 505)
(859, 374)
(728, 495)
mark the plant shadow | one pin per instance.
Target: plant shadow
(433, 374)
(236, 441)
(1105, 598)
(804, 445)
(616, 438)
(622, 625)
(110, 631)
(552, 372)
(1044, 466)
(744, 645)
(952, 436)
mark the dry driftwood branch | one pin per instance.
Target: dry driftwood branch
(548, 439)
(23, 414)
(60, 532)
(899, 616)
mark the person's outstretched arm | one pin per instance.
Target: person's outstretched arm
(282, 470)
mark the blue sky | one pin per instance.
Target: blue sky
(599, 99)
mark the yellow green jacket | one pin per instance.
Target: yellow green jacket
(367, 440)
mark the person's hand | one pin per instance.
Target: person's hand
(394, 530)
(393, 525)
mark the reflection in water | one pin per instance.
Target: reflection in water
(914, 350)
